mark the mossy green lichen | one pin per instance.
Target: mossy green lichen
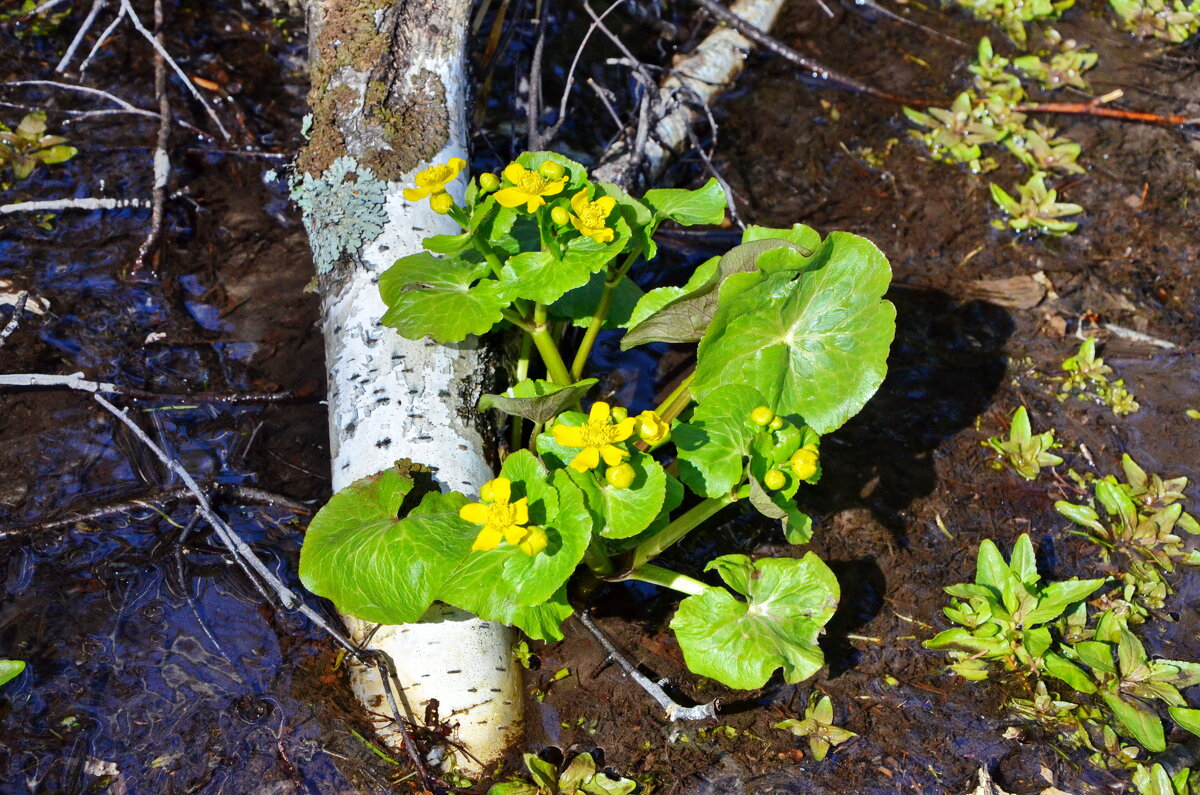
(343, 210)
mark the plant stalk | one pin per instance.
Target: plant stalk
(606, 298)
(556, 368)
(518, 423)
(678, 400)
(657, 575)
(654, 546)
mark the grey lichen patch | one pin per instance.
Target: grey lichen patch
(343, 210)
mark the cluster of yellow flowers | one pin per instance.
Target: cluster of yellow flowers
(599, 436)
(523, 187)
(803, 462)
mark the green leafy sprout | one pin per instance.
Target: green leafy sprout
(1037, 208)
(818, 727)
(29, 146)
(1025, 451)
(792, 336)
(1088, 379)
(580, 777)
(1170, 20)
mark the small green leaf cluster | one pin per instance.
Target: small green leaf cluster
(1137, 532)
(1043, 631)
(1170, 20)
(1088, 379)
(579, 777)
(988, 115)
(24, 148)
(792, 337)
(1024, 451)
(1011, 15)
(818, 726)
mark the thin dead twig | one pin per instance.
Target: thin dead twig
(551, 133)
(69, 55)
(1091, 109)
(122, 104)
(77, 382)
(675, 711)
(162, 157)
(15, 320)
(58, 205)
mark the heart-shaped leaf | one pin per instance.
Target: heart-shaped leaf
(446, 299)
(537, 400)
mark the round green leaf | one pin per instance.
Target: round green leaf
(814, 342)
(713, 445)
(742, 643)
(446, 299)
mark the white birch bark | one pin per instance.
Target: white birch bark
(392, 398)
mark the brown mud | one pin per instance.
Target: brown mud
(154, 667)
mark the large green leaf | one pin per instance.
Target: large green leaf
(814, 342)
(705, 205)
(378, 567)
(800, 235)
(685, 317)
(541, 276)
(712, 447)
(429, 295)
(797, 525)
(537, 400)
(742, 643)
(1057, 597)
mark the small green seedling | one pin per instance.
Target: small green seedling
(1155, 780)
(1007, 615)
(1063, 69)
(818, 727)
(1038, 148)
(1011, 15)
(24, 148)
(1038, 208)
(954, 135)
(580, 777)
(1025, 452)
(1088, 379)
(1171, 20)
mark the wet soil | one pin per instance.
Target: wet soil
(154, 667)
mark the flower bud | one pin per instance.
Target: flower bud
(441, 203)
(620, 476)
(776, 423)
(534, 542)
(804, 463)
(486, 494)
(762, 416)
(488, 182)
(651, 428)
(551, 170)
(774, 479)
(619, 413)
(560, 216)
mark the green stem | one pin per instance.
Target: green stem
(597, 322)
(654, 546)
(678, 400)
(556, 368)
(597, 561)
(666, 578)
(489, 254)
(518, 423)
(517, 320)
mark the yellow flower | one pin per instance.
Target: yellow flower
(589, 216)
(652, 428)
(528, 188)
(534, 541)
(804, 462)
(433, 179)
(499, 517)
(598, 437)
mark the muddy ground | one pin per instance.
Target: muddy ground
(153, 667)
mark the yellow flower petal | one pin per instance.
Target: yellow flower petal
(568, 436)
(535, 541)
(513, 172)
(475, 513)
(606, 204)
(515, 535)
(501, 490)
(600, 412)
(521, 511)
(578, 202)
(512, 197)
(624, 429)
(612, 455)
(457, 164)
(534, 203)
(488, 538)
(416, 194)
(588, 458)
(555, 187)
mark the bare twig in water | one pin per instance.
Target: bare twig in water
(551, 133)
(77, 382)
(1137, 336)
(162, 497)
(263, 578)
(122, 104)
(675, 711)
(162, 158)
(15, 320)
(1094, 109)
(58, 205)
(69, 55)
